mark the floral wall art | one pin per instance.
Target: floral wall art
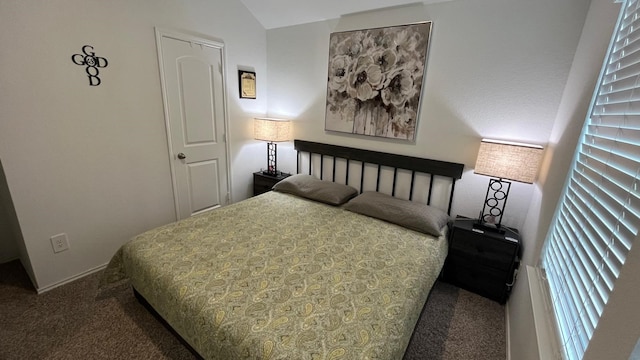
(375, 80)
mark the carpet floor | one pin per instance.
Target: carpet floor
(80, 321)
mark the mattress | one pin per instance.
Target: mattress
(281, 277)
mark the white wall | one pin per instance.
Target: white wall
(569, 121)
(578, 92)
(495, 69)
(92, 162)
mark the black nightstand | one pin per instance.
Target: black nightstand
(264, 182)
(483, 262)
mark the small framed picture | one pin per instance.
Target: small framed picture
(247, 82)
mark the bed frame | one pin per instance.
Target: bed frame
(334, 154)
(314, 156)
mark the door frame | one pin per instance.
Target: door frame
(197, 40)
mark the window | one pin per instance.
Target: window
(598, 215)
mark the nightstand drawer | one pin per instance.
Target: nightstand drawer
(483, 250)
(262, 185)
(264, 182)
(482, 280)
(261, 188)
(482, 261)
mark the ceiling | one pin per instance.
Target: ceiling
(280, 13)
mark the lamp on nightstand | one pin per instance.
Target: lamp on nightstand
(503, 161)
(272, 131)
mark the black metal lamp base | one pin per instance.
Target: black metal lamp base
(272, 159)
(494, 203)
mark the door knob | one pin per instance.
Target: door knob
(182, 156)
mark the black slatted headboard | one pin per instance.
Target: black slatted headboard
(432, 168)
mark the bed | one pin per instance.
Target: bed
(290, 275)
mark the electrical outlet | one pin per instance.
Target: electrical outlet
(60, 242)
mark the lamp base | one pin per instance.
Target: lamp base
(272, 162)
(494, 203)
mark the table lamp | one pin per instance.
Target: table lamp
(272, 131)
(504, 160)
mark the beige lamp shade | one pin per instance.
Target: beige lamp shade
(273, 130)
(509, 160)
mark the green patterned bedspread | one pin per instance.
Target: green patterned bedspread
(280, 277)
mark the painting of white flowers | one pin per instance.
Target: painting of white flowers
(375, 80)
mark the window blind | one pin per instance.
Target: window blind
(598, 216)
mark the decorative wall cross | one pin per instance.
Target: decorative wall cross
(92, 62)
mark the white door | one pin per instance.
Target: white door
(194, 99)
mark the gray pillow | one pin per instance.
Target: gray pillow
(312, 188)
(409, 214)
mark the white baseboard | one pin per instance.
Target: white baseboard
(70, 279)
